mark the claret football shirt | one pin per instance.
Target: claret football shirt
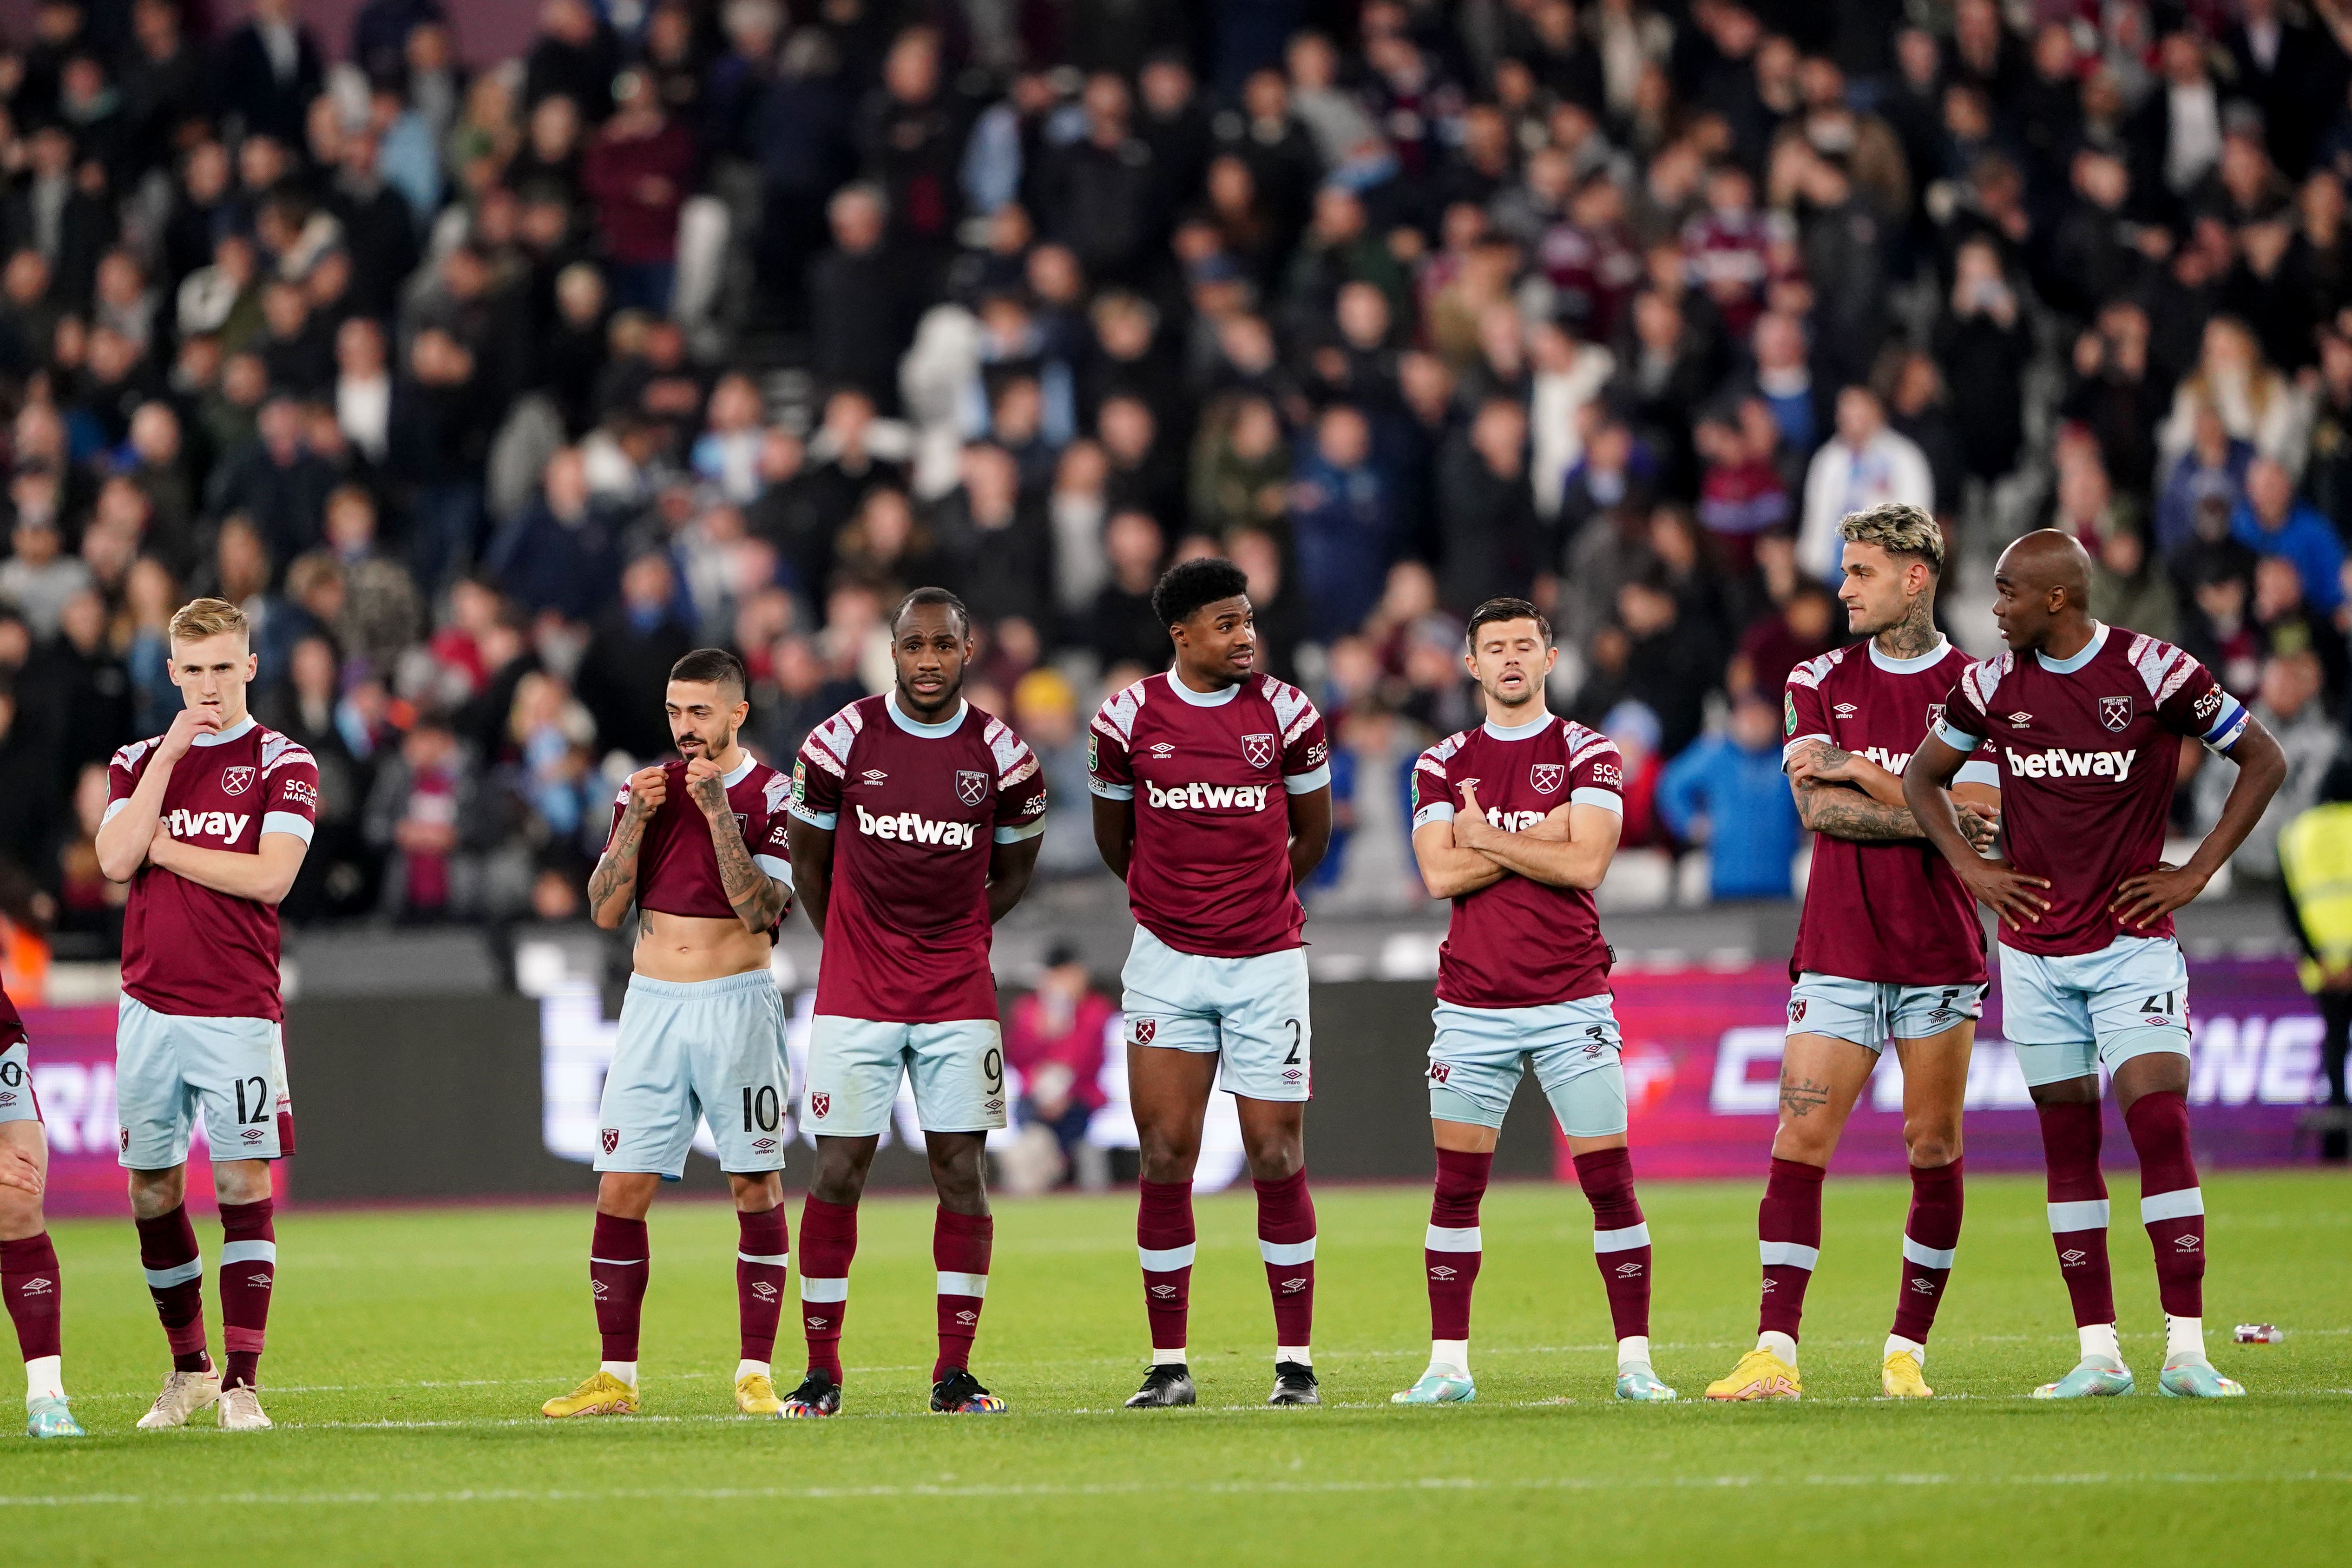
(186, 949)
(1211, 774)
(2088, 748)
(678, 868)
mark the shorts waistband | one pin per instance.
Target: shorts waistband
(702, 990)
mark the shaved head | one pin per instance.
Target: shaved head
(2042, 589)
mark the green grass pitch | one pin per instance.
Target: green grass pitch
(409, 1352)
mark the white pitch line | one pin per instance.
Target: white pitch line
(920, 1491)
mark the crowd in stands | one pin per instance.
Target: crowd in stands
(491, 387)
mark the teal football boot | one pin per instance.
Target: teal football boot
(1437, 1387)
(2090, 1380)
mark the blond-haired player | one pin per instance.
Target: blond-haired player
(209, 823)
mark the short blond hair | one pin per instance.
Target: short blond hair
(1898, 527)
(201, 618)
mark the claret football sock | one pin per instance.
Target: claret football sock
(619, 1260)
(1788, 1242)
(961, 1245)
(1451, 1253)
(175, 1279)
(2171, 1205)
(2078, 1209)
(1164, 1246)
(248, 1268)
(28, 1278)
(1286, 1240)
(1930, 1238)
(762, 1258)
(1621, 1238)
(828, 1245)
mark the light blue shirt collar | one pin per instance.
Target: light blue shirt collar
(1894, 666)
(1533, 728)
(938, 731)
(2081, 656)
(1203, 699)
(237, 731)
(740, 771)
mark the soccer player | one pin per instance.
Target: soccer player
(28, 1263)
(915, 824)
(2086, 721)
(1516, 821)
(698, 844)
(1889, 947)
(1212, 801)
(209, 823)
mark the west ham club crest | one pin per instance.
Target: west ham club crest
(1257, 750)
(972, 788)
(1548, 776)
(237, 780)
(2116, 713)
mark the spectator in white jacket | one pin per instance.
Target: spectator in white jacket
(1863, 465)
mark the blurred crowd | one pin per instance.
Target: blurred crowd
(489, 388)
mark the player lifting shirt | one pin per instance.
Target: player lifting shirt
(2085, 722)
(916, 821)
(208, 822)
(1212, 801)
(698, 844)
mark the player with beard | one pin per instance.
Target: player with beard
(1212, 802)
(1888, 947)
(2086, 722)
(28, 1262)
(916, 820)
(699, 845)
(1516, 823)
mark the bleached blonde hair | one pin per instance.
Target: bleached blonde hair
(202, 618)
(1898, 527)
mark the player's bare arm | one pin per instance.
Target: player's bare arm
(125, 838)
(1852, 797)
(1310, 833)
(811, 848)
(1009, 868)
(1580, 859)
(1115, 835)
(2012, 894)
(613, 883)
(1448, 869)
(2150, 895)
(265, 876)
(758, 899)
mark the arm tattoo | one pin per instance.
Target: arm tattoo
(756, 899)
(616, 872)
(1801, 1097)
(1843, 813)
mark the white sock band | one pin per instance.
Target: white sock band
(44, 1378)
(1450, 1356)
(627, 1371)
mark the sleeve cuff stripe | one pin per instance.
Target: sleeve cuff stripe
(291, 823)
(1308, 783)
(1014, 834)
(1593, 795)
(1958, 740)
(777, 870)
(825, 819)
(1109, 792)
(1440, 812)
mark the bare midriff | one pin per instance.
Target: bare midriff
(687, 948)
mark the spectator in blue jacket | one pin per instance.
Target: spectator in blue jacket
(1726, 791)
(1343, 524)
(2274, 521)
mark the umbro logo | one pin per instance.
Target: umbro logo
(1628, 1271)
(1291, 1286)
(2021, 719)
(818, 1324)
(259, 1281)
(1768, 1283)
(1163, 750)
(1163, 1292)
(1441, 1272)
(2072, 1257)
(2185, 1243)
(968, 1318)
(1922, 1287)
(597, 1288)
(764, 1291)
(38, 1285)
(874, 776)
(1845, 710)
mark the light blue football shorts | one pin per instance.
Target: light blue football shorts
(1872, 1012)
(2068, 1015)
(711, 1051)
(16, 1101)
(1476, 1061)
(168, 1066)
(1251, 1011)
(956, 1066)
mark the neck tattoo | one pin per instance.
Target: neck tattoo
(1914, 635)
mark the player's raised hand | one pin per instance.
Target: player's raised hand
(20, 1170)
(2146, 897)
(186, 725)
(648, 787)
(2013, 895)
(706, 786)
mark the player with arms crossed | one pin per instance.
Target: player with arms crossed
(28, 1262)
(1212, 802)
(1889, 947)
(1516, 821)
(915, 824)
(209, 823)
(2086, 722)
(698, 844)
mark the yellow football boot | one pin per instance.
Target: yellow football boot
(1761, 1374)
(603, 1395)
(1901, 1378)
(755, 1395)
